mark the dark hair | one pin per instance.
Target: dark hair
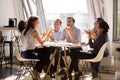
(58, 20)
(30, 23)
(21, 25)
(104, 25)
(100, 19)
(71, 18)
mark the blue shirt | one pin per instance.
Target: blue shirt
(76, 33)
(57, 34)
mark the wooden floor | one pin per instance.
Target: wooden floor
(109, 70)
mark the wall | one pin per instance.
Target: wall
(8, 9)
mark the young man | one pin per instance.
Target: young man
(72, 34)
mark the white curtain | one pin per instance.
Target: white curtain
(95, 10)
(33, 7)
(40, 12)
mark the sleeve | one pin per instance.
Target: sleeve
(62, 37)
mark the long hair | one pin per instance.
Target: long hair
(30, 23)
(21, 25)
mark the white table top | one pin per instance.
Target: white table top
(60, 44)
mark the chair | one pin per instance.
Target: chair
(26, 68)
(2, 54)
(100, 54)
(98, 58)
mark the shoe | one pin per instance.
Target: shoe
(62, 72)
(52, 71)
(52, 75)
(77, 75)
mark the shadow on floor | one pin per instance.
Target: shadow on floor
(5, 72)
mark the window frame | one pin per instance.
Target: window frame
(115, 21)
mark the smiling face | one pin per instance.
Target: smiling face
(70, 22)
(98, 29)
(57, 25)
(36, 23)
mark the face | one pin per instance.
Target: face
(70, 22)
(57, 25)
(36, 23)
(95, 24)
(98, 29)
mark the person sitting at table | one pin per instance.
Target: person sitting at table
(21, 25)
(56, 37)
(102, 37)
(28, 37)
(93, 31)
(57, 31)
(72, 34)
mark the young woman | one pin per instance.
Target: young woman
(21, 25)
(102, 37)
(29, 37)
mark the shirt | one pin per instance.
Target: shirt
(75, 32)
(57, 34)
(28, 40)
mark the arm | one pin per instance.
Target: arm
(37, 37)
(47, 35)
(68, 31)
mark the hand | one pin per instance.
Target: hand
(93, 35)
(88, 32)
(68, 30)
(50, 32)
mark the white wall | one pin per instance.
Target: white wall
(8, 9)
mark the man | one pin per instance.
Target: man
(71, 34)
(57, 31)
(56, 37)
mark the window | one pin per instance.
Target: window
(28, 8)
(62, 9)
(49, 10)
(116, 32)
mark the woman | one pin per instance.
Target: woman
(21, 25)
(102, 37)
(29, 37)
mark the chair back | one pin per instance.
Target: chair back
(18, 56)
(100, 54)
(17, 53)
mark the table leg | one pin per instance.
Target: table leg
(51, 61)
(66, 63)
(58, 65)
